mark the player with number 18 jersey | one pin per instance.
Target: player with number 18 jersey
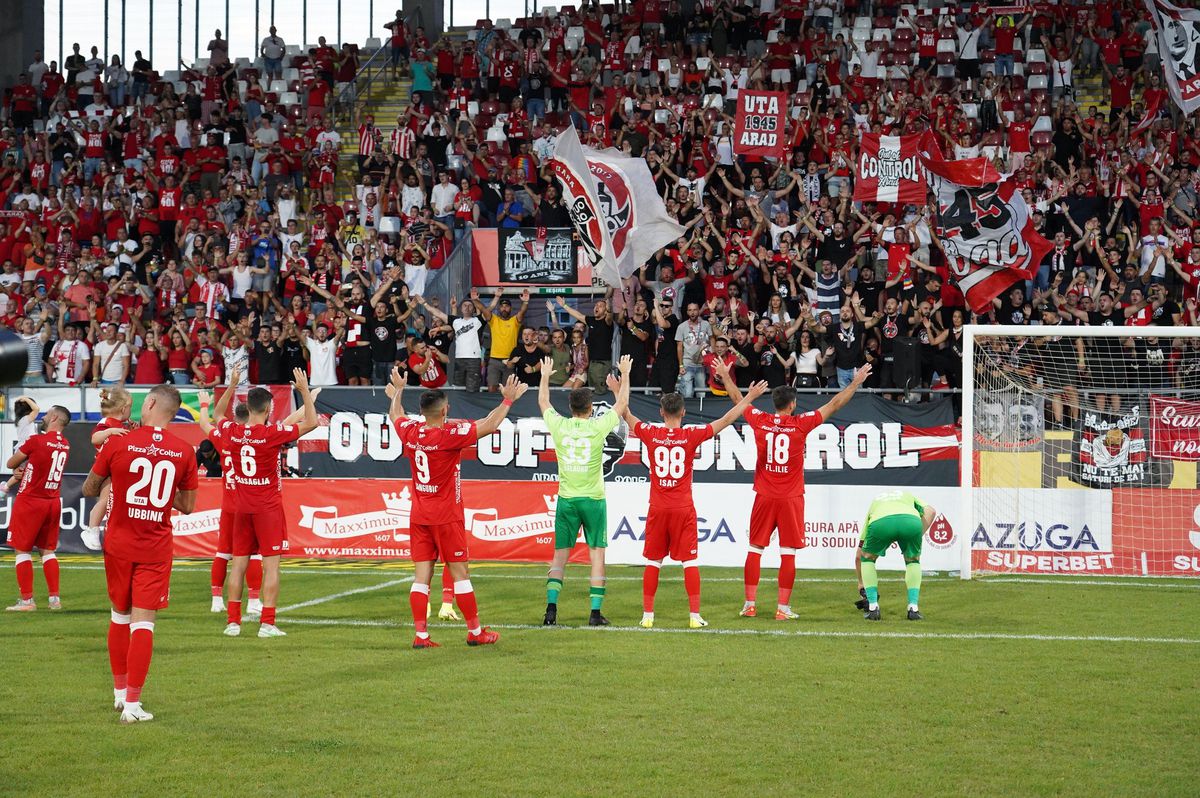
(779, 476)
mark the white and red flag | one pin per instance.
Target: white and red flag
(984, 228)
(758, 129)
(1178, 31)
(889, 170)
(614, 207)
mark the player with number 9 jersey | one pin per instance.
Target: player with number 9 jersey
(435, 454)
(147, 467)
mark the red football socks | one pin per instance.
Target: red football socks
(50, 571)
(649, 587)
(220, 568)
(234, 612)
(268, 616)
(691, 583)
(24, 567)
(141, 648)
(787, 578)
(752, 574)
(447, 586)
(464, 594)
(254, 577)
(118, 649)
(418, 600)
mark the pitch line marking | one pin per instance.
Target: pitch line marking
(773, 632)
(345, 593)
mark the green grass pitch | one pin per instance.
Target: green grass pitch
(1016, 687)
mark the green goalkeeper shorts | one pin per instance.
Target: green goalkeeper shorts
(907, 530)
(591, 514)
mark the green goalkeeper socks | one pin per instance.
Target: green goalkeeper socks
(912, 578)
(870, 579)
(553, 586)
(597, 596)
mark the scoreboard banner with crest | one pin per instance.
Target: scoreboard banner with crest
(537, 255)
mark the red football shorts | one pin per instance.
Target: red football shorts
(445, 542)
(145, 585)
(262, 533)
(671, 531)
(769, 514)
(34, 523)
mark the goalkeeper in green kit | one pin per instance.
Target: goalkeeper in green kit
(579, 447)
(894, 517)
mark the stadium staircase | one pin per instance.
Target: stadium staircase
(1090, 91)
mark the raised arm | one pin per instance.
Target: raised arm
(512, 390)
(755, 390)
(544, 384)
(395, 390)
(621, 387)
(309, 422)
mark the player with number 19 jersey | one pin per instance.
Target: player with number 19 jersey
(779, 476)
(37, 508)
(435, 453)
(671, 520)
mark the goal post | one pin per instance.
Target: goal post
(1079, 450)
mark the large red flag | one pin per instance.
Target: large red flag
(984, 228)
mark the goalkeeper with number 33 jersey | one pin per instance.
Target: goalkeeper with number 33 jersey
(894, 517)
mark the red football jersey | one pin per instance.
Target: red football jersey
(779, 441)
(434, 455)
(47, 453)
(254, 450)
(670, 454)
(147, 467)
(227, 481)
(107, 423)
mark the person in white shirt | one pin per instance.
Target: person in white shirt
(443, 197)
(322, 360)
(110, 365)
(272, 50)
(237, 360)
(468, 348)
(37, 69)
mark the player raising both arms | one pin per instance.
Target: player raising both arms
(671, 520)
(36, 513)
(579, 446)
(224, 555)
(261, 527)
(437, 527)
(152, 471)
(115, 406)
(895, 517)
(779, 481)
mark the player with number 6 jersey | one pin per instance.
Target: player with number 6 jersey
(152, 472)
(36, 513)
(260, 526)
(779, 482)
(434, 448)
(670, 450)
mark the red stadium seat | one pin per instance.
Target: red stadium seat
(947, 57)
(1042, 138)
(1037, 68)
(250, 75)
(903, 35)
(480, 24)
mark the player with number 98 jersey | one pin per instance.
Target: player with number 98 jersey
(435, 454)
(779, 476)
(147, 467)
(671, 520)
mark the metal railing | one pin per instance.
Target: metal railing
(367, 80)
(453, 280)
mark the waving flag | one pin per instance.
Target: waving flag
(1178, 31)
(1150, 115)
(889, 170)
(614, 206)
(984, 227)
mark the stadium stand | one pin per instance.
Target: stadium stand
(168, 224)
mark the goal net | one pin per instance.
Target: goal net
(1080, 450)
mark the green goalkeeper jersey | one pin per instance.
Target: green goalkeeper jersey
(894, 502)
(579, 444)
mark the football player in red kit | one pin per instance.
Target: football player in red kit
(779, 481)
(37, 509)
(670, 449)
(434, 448)
(152, 472)
(261, 526)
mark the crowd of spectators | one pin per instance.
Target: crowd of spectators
(152, 234)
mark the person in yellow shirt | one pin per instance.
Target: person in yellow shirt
(505, 328)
